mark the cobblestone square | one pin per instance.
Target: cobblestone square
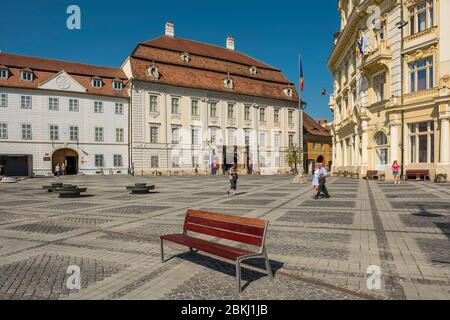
(319, 249)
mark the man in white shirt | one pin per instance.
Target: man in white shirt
(322, 181)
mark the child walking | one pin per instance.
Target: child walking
(396, 172)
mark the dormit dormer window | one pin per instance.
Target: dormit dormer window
(26, 75)
(97, 83)
(4, 73)
(288, 92)
(185, 57)
(253, 71)
(117, 85)
(229, 84)
(153, 72)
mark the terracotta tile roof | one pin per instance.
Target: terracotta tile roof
(312, 127)
(207, 68)
(44, 69)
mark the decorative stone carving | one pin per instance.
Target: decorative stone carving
(154, 72)
(420, 54)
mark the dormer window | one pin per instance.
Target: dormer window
(153, 72)
(26, 75)
(117, 85)
(288, 92)
(185, 57)
(253, 71)
(97, 83)
(229, 83)
(4, 73)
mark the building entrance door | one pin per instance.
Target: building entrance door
(68, 157)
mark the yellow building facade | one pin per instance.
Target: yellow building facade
(391, 101)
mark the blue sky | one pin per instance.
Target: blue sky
(272, 31)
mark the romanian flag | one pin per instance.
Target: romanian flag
(302, 79)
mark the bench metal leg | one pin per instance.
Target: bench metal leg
(268, 267)
(162, 249)
(238, 276)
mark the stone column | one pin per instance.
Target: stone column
(394, 133)
(445, 141)
(364, 146)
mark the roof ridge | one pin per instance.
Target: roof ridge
(267, 66)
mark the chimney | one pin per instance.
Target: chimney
(170, 29)
(230, 43)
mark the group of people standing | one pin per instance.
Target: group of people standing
(60, 169)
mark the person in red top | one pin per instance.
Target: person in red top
(396, 172)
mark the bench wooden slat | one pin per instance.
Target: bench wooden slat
(227, 218)
(233, 236)
(230, 226)
(217, 249)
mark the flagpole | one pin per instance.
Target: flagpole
(299, 178)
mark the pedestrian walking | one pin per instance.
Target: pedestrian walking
(233, 176)
(315, 181)
(322, 183)
(396, 172)
(58, 170)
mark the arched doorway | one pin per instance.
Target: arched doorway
(381, 151)
(67, 156)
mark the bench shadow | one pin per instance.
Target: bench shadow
(228, 268)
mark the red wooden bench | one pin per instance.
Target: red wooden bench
(418, 173)
(238, 229)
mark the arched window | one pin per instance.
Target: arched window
(381, 139)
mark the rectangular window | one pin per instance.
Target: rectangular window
(26, 102)
(118, 160)
(231, 137)
(154, 134)
(195, 136)
(277, 139)
(213, 135)
(99, 160)
(73, 133)
(26, 132)
(175, 105)
(53, 132)
(379, 84)
(421, 75)
(53, 104)
(175, 135)
(194, 107)
(3, 131)
(154, 161)
(262, 114)
(119, 135)
(74, 105)
(421, 16)
(119, 108)
(98, 134)
(27, 76)
(421, 142)
(230, 111)
(262, 139)
(98, 106)
(247, 113)
(276, 116)
(291, 117)
(291, 140)
(213, 112)
(4, 73)
(154, 103)
(3, 100)
(175, 161)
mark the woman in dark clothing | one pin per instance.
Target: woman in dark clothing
(233, 176)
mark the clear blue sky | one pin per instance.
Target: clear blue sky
(272, 31)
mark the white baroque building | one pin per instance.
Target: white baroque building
(61, 112)
(196, 106)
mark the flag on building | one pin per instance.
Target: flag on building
(302, 79)
(324, 92)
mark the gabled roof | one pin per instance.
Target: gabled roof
(312, 127)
